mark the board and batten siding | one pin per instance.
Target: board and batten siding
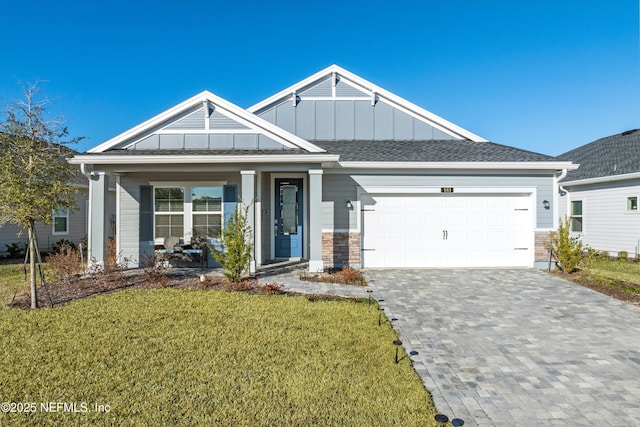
(349, 119)
(340, 188)
(607, 224)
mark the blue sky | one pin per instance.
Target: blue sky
(542, 75)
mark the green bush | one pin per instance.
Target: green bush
(235, 256)
(567, 249)
(623, 255)
(16, 250)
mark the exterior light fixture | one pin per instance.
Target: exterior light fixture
(546, 204)
(397, 343)
(441, 419)
(349, 204)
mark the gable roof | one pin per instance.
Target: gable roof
(229, 111)
(366, 88)
(612, 156)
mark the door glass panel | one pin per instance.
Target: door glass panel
(288, 209)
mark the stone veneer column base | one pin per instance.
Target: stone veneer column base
(341, 249)
(541, 246)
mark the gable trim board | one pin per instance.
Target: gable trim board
(247, 119)
(337, 176)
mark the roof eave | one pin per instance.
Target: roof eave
(603, 179)
(554, 166)
(201, 159)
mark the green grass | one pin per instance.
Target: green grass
(614, 269)
(11, 279)
(175, 357)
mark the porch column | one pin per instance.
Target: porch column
(248, 199)
(98, 220)
(315, 221)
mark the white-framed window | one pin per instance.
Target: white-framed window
(632, 204)
(189, 210)
(206, 207)
(60, 221)
(576, 217)
(169, 211)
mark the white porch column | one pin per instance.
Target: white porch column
(315, 221)
(248, 199)
(98, 219)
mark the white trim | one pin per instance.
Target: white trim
(202, 159)
(340, 230)
(203, 132)
(243, 116)
(53, 222)
(602, 179)
(359, 82)
(437, 190)
(334, 98)
(460, 165)
(187, 183)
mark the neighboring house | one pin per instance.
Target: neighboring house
(338, 171)
(601, 197)
(71, 225)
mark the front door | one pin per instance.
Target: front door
(288, 215)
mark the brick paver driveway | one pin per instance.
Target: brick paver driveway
(517, 347)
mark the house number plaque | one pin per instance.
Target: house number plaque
(446, 189)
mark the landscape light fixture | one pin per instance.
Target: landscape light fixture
(441, 419)
(380, 310)
(397, 343)
(457, 422)
(369, 292)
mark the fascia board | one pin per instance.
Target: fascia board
(602, 179)
(200, 159)
(366, 85)
(247, 118)
(555, 166)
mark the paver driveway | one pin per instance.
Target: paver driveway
(517, 347)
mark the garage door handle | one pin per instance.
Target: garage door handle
(362, 250)
(520, 249)
(445, 234)
(367, 210)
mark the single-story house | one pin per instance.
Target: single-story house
(601, 197)
(337, 171)
(67, 224)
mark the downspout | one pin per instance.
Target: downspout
(556, 196)
(562, 176)
(84, 171)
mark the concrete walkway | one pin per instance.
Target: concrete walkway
(517, 347)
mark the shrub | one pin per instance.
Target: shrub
(350, 276)
(65, 263)
(623, 255)
(63, 244)
(16, 250)
(567, 249)
(235, 257)
(154, 269)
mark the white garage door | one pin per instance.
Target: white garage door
(447, 230)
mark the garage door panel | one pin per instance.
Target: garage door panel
(447, 231)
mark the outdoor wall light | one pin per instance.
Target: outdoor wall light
(349, 205)
(546, 204)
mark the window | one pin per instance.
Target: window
(206, 204)
(187, 211)
(576, 216)
(632, 204)
(61, 221)
(169, 212)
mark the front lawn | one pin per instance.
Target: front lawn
(614, 277)
(195, 357)
(11, 280)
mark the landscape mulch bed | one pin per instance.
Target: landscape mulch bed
(65, 291)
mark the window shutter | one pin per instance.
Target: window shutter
(229, 202)
(146, 213)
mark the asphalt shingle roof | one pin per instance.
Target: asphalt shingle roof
(429, 151)
(613, 155)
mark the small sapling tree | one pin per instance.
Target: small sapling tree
(35, 177)
(235, 256)
(567, 249)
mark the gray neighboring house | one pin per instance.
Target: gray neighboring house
(338, 172)
(71, 225)
(601, 197)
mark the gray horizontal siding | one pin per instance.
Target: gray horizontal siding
(194, 120)
(218, 120)
(344, 89)
(336, 191)
(321, 88)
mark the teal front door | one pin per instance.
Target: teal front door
(289, 218)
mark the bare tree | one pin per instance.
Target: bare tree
(35, 177)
